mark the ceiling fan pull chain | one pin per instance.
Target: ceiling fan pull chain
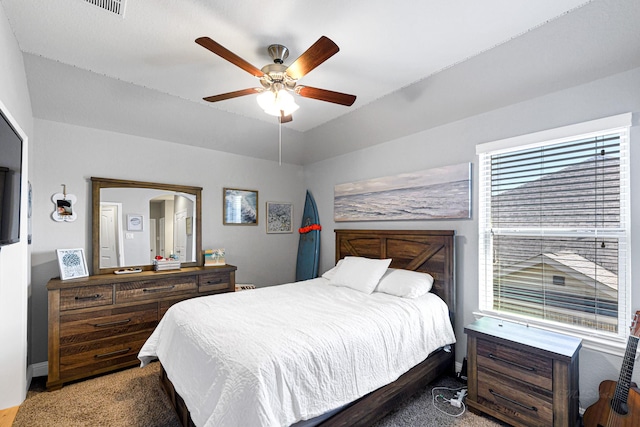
(280, 143)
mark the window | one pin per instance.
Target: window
(554, 228)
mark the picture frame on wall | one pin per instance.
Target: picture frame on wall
(72, 263)
(279, 217)
(437, 193)
(134, 222)
(240, 207)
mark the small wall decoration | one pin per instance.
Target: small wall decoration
(279, 217)
(72, 263)
(134, 222)
(438, 193)
(64, 209)
(240, 207)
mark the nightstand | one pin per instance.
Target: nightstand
(522, 375)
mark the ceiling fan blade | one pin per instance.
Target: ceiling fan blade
(326, 95)
(225, 53)
(319, 52)
(235, 94)
(283, 118)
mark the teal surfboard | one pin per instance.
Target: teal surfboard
(309, 245)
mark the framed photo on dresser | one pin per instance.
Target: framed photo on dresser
(72, 263)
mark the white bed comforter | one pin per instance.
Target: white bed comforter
(276, 355)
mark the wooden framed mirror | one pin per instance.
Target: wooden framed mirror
(135, 221)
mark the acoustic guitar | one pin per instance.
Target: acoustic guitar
(617, 407)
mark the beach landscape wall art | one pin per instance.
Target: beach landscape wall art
(437, 193)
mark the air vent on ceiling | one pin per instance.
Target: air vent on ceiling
(113, 6)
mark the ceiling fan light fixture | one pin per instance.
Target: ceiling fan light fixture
(275, 102)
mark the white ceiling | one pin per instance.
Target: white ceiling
(143, 73)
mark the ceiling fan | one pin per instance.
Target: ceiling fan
(278, 79)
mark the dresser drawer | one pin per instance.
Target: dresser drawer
(98, 324)
(95, 356)
(515, 363)
(86, 296)
(154, 289)
(218, 281)
(517, 400)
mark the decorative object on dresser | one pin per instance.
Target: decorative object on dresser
(214, 256)
(619, 403)
(522, 375)
(98, 324)
(72, 263)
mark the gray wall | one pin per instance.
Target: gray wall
(71, 155)
(455, 143)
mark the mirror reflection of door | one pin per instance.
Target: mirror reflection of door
(180, 236)
(110, 235)
(153, 238)
(161, 239)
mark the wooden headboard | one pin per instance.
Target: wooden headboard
(430, 251)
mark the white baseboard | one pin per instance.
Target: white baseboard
(40, 369)
(458, 367)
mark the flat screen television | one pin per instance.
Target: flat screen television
(10, 182)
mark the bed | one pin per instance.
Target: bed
(189, 358)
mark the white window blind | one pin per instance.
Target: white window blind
(554, 230)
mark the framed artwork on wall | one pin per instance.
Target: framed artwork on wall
(134, 222)
(279, 217)
(240, 207)
(72, 263)
(438, 193)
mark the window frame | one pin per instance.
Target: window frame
(613, 343)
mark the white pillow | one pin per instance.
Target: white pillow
(405, 283)
(361, 274)
(332, 271)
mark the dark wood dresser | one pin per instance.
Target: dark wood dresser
(522, 375)
(99, 323)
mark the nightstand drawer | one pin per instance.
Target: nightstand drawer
(98, 324)
(518, 364)
(154, 289)
(219, 281)
(519, 401)
(86, 296)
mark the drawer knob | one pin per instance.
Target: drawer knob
(115, 322)
(166, 288)
(89, 298)
(112, 353)
(515, 402)
(213, 282)
(508, 362)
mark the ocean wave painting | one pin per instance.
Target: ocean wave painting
(438, 193)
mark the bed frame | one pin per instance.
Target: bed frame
(430, 251)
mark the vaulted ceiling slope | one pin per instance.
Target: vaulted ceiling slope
(413, 64)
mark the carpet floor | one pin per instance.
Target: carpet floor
(133, 398)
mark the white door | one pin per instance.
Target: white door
(153, 238)
(180, 235)
(109, 236)
(161, 240)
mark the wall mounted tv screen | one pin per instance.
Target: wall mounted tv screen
(10, 182)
